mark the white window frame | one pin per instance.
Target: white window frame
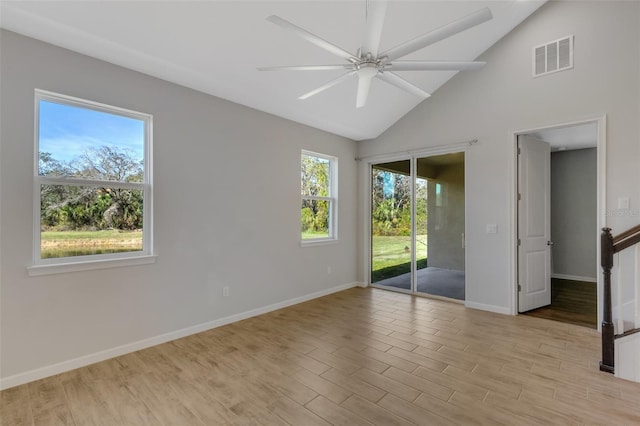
(332, 199)
(98, 261)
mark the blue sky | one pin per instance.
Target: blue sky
(389, 184)
(67, 131)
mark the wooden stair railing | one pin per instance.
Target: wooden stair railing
(610, 245)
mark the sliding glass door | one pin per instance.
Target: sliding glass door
(422, 224)
(417, 225)
(443, 203)
(391, 229)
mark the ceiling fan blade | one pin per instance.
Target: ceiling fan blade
(301, 32)
(376, 11)
(401, 83)
(308, 68)
(364, 86)
(438, 34)
(327, 85)
(435, 65)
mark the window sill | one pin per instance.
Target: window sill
(63, 268)
(323, 242)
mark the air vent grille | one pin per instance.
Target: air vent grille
(553, 56)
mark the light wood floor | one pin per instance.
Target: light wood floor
(359, 357)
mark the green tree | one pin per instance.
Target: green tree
(391, 201)
(109, 163)
(49, 166)
(421, 206)
(90, 207)
(315, 181)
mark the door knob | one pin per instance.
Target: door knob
(549, 243)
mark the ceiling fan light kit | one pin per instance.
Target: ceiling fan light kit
(368, 63)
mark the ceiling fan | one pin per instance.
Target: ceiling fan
(368, 62)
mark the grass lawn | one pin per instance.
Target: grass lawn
(306, 235)
(391, 256)
(392, 251)
(109, 234)
(110, 237)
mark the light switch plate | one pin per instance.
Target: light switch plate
(623, 203)
(492, 228)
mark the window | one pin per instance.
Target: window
(92, 182)
(440, 208)
(318, 214)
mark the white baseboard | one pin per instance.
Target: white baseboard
(72, 364)
(490, 308)
(574, 278)
(363, 285)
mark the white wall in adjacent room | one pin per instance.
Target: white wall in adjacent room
(574, 186)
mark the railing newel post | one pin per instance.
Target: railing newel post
(606, 261)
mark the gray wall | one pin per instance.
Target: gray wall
(445, 242)
(502, 98)
(574, 212)
(218, 159)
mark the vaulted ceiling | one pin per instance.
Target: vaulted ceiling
(216, 46)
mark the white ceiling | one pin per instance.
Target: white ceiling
(215, 47)
(570, 137)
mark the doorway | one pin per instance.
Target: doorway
(557, 223)
(418, 225)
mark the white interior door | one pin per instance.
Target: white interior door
(534, 220)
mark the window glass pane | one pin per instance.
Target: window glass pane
(391, 224)
(441, 208)
(84, 220)
(315, 176)
(315, 219)
(84, 143)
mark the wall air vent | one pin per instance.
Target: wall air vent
(553, 57)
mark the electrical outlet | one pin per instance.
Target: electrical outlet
(329, 270)
(225, 291)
